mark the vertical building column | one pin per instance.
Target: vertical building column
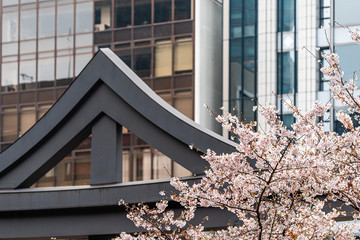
(208, 40)
(106, 152)
(267, 69)
(226, 59)
(307, 65)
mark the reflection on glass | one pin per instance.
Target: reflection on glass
(65, 19)
(10, 27)
(125, 56)
(180, 171)
(161, 166)
(84, 17)
(81, 61)
(46, 22)
(46, 44)
(142, 13)
(64, 42)
(9, 73)
(28, 25)
(9, 49)
(122, 13)
(184, 103)
(102, 15)
(9, 2)
(288, 120)
(286, 72)
(162, 11)
(126, 167)
(349, 60)
(142, 61)
(163, 58)
(9, 131)
(344, 14)
(236, 17)
(64, 70)
(46, 69)
(82, 168)
(182, 9)
(42, 109)
(27, 118)
(64, 172)
(82, 40)
(286, 15)
(183, 59)
(27, 46)
(10, 59)
(142, 164)
(27, 77)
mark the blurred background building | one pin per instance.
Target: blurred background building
(231, 53)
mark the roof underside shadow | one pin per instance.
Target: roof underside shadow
(105, 96)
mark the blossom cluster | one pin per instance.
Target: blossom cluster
(280, 183)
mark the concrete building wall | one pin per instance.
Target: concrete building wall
(267, 68)
(208, 37)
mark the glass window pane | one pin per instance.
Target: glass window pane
(28, 25)
(122, 13)
(9, 2)
(27, 77)
(27, 119)
(64, 70)
(42, 109)
(82, 40)
(349, 60)
(102, 15)
(183, 59)
(163, 58)
(10, 27)
(182, 9)
(65, 19)
(236, 18)
(286, 21)
(9, 73)
(125, 56)
(142, 13)
(184, 103)
(82, 168)
(46, 69)
(250, 18)
(46, 22)
(27, 46)
(162, 11)
(81, 61)
(10, 59)
(126, 166)
(142, 163)
(161, 166)
(9, 131)
(9, 49)
(180, 171)
(46, 44)
(345, 11)
(142, 61)
(84, 17)
(64, 42)
(286, 72)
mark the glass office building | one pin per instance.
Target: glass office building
(46, 43)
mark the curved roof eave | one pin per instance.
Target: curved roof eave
(106, 68)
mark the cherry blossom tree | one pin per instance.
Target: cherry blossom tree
(281, 183)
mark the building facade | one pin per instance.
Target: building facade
(46, 44)
(232, 53)
(264, 57)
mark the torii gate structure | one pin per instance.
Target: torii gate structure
(105, 96)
